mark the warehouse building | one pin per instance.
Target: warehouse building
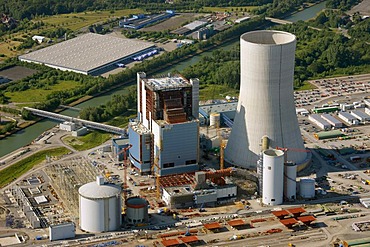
(332, 120)
(328, 134)
(321, 123)
(361, 116)
(140, 21)
(89, 54)
(348, 118)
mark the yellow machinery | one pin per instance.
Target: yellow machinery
(157, 183)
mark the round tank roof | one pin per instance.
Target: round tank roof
(268, 37)
(136, 202)
(273, 152)
(95, 191)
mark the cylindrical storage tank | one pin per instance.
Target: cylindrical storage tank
(136, 210)
(273, 177)
(266, 100)
(214, 119)
(307, 187)
(290, 184)
(100, 207)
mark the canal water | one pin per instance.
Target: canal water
(25, 136)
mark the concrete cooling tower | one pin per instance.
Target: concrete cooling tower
(266, 101)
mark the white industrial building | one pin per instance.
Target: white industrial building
(273, 177)
(167, 123)
(320, 122)
(367, 111)
(67, 126)
(367, 102)
(204, 188)
(88, 53)
(348, 118)
(100, 206)
(332, 120)
(307, 188)
(62, 231)
(266, 101)
(361, 116)
(365, 202)
(302, 111)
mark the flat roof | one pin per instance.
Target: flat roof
(167, 82)
(40, 199)
(211, 226)
(238, 222)
(189, 239)
(331, 118)
(306, 219)
(296, 210)
(347, 115)
(288, 222)
(360, 114)
(86, 52)
(280, 213)
(170, 242)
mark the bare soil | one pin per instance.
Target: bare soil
(17, 72)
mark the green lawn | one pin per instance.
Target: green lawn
(37, 95)
(88, 141)
(13, 172)
(306, 86)
(122, 121)
(76, 21)
(208, 92)
(229, 9)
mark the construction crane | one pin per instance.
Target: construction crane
(285, 149)
(124, 151)
(222, 146)
(157, 182)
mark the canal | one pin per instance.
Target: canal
(27, 135)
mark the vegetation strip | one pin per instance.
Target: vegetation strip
(16, 170)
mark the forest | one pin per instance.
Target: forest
(319, 53)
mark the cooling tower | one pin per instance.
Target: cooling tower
(266, 101)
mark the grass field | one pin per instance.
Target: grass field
(6, 48)
(208, 92)
(306, 86)
(37, 95)
(13, 172)
(88, 141)
(76, 21)
(229, 9)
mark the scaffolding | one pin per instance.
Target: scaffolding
(68, 176)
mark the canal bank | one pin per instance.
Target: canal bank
(27, 135)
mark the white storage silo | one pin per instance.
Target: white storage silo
(290, 184)
(266, 100)
(136, 210)
(307, 188)
(214, 119)
(273, 177)
(100, 206)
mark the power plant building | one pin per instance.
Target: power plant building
(266, 101)
(166, 131)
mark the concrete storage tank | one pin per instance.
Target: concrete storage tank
(266, 101)
(100, 206)
(273, 173)
(307, 188)
(290, 184)
(214, 119)
(136, 210)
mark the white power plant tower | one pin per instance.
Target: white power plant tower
(266, 101)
